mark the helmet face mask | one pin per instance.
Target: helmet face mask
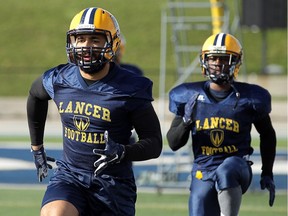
(220, 68)
(220, 58)
(93, 22)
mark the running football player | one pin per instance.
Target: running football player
(99, 103)
(219, 114)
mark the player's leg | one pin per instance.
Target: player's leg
(203, 199)
(230, 201)
(111, 196)
(64, 198)
(233, 178)
(59, 208)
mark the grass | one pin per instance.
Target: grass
(26, 202)
(20, 202)
(38, 42)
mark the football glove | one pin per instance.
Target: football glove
(40, 160)
(267, 182)
(188, 111)
(113, 153)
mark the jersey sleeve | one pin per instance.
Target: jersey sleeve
(143, 89)
(179, 96)
(261, 100)
(48, 78)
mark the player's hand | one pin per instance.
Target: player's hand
(189, 106)
(267, 182)
(40, 160)
(113, 153)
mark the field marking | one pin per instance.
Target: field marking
(15, 164)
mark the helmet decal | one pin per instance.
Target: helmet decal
(88, 16)
(219, 39)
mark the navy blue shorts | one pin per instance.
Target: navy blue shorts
(104, 195)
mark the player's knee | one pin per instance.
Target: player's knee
(231, 173)
(59, 208)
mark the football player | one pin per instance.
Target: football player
(99, 103)
(219, 114)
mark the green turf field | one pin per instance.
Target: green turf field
(24, 202)
(34, 38)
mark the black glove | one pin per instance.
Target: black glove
(40, 160)
(267, 182)
(113, 153)
(189, 106)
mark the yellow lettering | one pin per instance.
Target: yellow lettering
(206, 124)
(89, 138)
(203, 150)
(87, 112)
(87, 109)
(96, 140)
(69, 108)
(222, 123)
(77, 133)
(234, 148)
(106, 115)
(72, 134)
(102, 140)
(96, 111)
(236, 127)
(79, 107)
(197, 123)
(214, 122)
(206, 150)
(83, 137)
(229, 124)
(60, 107)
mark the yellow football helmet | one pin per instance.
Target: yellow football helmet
(123, 44)
(93, 21)
(121, 50)
(226, 48)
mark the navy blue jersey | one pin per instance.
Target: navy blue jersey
(88, 110)
(221, 129)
